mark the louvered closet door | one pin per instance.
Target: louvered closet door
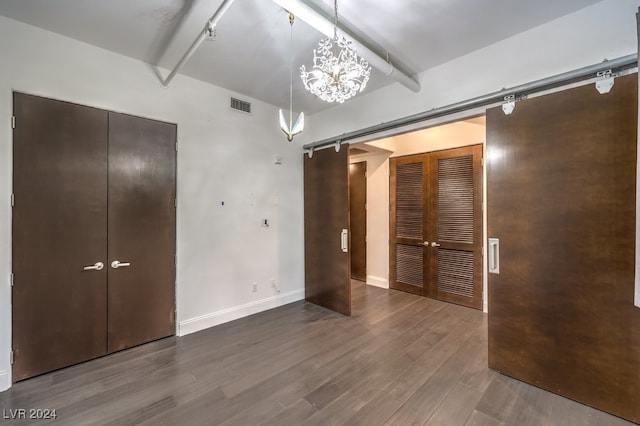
(456, 225)
(408, 193)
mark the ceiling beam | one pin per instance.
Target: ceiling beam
(325, 25)
(208, 28)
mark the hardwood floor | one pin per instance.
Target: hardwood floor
(401, 359)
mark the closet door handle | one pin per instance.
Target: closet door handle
(95, 267)
(494, 256)
(344, 240)
(434, 244)
(117, 264)
(426, 244)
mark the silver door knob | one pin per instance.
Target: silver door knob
(426, 244)
(117, 264)
(95, 267)
(434, 244)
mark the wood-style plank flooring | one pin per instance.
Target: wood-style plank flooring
(400, 360)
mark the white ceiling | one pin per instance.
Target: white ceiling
(251, 53)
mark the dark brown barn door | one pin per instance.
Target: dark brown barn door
(436, 225)
(455, 230)
(59, 229)
(358, 219)
(561, 194)
(408, 248)
(326, 224)
(142, 224)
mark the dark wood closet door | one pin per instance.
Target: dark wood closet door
(326, 216)
(59, 228)
(358, 219)
(142, 230)
(561, 201)
(409, 267)
(455, 226)
(436, 225)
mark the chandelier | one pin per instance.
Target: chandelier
(338, 73)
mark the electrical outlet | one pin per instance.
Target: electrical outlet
(274, 286)
(254, 287)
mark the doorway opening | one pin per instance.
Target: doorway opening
(358, 220)
(463, 271)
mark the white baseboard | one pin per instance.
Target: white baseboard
(220, 317)
(377, 281)
(5, 383)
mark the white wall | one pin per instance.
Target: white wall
(448, 136)
(224, 156)
(588, 36)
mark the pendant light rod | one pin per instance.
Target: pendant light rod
(291, 20)
(615, 65)
(291, 129)
(335, 19)
(210, 25)
(321, 23)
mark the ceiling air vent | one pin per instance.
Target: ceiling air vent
(239, 105)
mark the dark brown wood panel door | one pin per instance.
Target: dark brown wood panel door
(358, 219)
(409, 267)
(142, 230)
(455, 226)
(561, 201)
(59, 228)
(326, 221)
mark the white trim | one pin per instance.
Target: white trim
(377, 281)
(230, 314)
(637, 276)
(485, 229)
(637, 272)
(5, 383)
